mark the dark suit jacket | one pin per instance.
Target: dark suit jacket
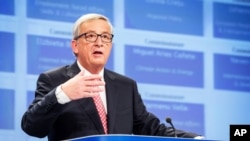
(126, 111)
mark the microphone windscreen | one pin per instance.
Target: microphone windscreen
(168, 119)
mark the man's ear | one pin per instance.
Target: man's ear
(74, 46)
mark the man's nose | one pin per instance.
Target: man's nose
(99, 39)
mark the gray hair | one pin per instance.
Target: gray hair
(86, 18)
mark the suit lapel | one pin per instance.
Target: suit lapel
(86, 103)
(111, 100)
(72, 70)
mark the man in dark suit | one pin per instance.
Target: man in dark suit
(64, 106)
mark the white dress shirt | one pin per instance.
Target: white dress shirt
(62, 98)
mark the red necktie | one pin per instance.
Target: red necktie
(101, 110)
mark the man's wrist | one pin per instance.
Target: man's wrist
(61, 97)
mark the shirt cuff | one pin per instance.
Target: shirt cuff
(61, 97)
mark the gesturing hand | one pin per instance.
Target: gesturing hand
(81, 86)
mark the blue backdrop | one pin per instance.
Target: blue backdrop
(191, 58)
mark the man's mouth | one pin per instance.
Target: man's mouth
(97, 52)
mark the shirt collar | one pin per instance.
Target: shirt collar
(86, 72)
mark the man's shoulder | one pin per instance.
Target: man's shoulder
(57, 69)
(57, 74)
(118, 76)
(69, 68)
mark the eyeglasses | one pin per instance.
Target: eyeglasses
(92, 37)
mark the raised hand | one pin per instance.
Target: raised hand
(81, 86)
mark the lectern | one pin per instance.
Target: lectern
(130, 138)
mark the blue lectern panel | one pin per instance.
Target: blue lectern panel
(130, 138)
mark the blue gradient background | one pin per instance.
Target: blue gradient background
(191, 58)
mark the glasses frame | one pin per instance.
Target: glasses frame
(97, 35)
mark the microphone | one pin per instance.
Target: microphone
(169, 120)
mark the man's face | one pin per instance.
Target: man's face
(93, 55)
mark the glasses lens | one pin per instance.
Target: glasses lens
(106, 37)
(92, 37)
